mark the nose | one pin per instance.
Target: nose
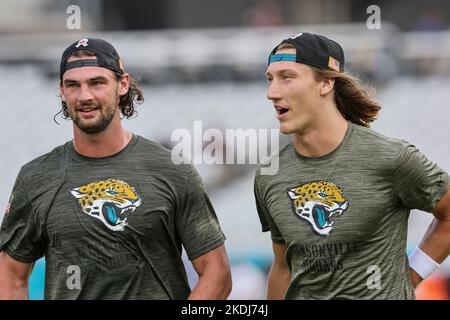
(85, 94)
(273, 92)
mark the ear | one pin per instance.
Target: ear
(292, 194)
(77, 194)
(327, 85)
(61, 92)
(124, 84)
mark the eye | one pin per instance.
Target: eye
(111, 192)
(287, 76)
(323, 195)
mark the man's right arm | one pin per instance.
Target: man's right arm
(13, 278)
(279, 275)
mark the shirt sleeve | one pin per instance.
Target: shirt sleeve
(265, 219)
(196, 220)
(419, 182)
(20, 235)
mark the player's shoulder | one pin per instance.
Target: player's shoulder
(265, 167)
(150, 145)
(45, 162)
(377, 140)
(162, 157)
(43, 169)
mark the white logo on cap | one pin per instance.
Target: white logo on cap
(82, 42)
(296, 36)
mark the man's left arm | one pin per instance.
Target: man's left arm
(436, 241)
(214, 273)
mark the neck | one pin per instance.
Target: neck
(321, 138)
(103, 144)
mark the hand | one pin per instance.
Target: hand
(415, 278)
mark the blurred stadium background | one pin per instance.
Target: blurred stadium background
(205, 60)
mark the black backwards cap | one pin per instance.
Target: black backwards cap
(314, 50)
(107, 56)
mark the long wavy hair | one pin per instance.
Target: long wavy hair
(126, 102)
(353, 99)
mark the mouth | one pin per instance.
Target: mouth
(88, 111)
(322, 217)
(114, 215)
(281, 112)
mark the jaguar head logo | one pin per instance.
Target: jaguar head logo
(110, 201)
(318, 203)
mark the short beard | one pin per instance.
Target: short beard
(98, 126)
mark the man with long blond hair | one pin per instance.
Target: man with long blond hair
(338, 207)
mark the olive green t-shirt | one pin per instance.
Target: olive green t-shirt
(343, 216)
(113, 227)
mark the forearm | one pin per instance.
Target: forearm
(212, 286)
(278, 283)
(435, 244)
(436, 241)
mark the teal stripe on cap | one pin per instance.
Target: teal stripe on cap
(283, 57)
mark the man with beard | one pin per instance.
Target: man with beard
(109, 210)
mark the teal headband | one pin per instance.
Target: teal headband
(283, 57)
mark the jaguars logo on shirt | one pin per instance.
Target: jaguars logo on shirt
(110, 201)
(317, 202)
